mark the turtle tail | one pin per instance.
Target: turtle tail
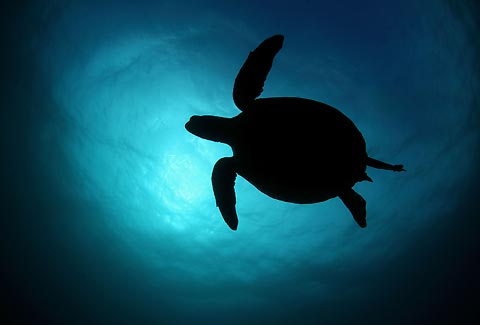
(383, 165)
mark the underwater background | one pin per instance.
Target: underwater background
(107, 210)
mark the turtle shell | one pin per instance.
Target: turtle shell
(297, 150)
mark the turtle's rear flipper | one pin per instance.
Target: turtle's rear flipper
(357, 206)
(223, 181)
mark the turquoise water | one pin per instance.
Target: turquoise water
(108, 215)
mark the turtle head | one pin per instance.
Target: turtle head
(209, 127)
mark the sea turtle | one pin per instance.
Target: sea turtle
(292, 149)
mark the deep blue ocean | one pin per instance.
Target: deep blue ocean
(107, 214)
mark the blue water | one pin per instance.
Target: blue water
(107, 211)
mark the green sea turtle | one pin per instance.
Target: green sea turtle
(292, 149)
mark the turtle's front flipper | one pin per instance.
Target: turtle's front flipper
(252, 75)
(223, 181)
(357, 206)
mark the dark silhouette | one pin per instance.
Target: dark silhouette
(292, 149)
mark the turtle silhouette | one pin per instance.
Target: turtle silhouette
(292, 149)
